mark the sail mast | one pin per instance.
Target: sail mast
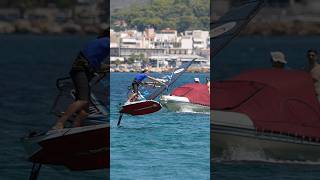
(231, 24)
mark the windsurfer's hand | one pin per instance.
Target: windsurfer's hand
(162, 81)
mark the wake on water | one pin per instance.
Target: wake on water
(242, 155)
(186, 110)
(190, 111)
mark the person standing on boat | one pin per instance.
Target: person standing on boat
(278, 60)
(137, 81)
(208, 83)
(314, 69)
(312, 57)
(88, 63)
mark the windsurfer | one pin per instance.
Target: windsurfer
(137, 81)
(88, 63)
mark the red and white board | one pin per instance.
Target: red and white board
(141, 107)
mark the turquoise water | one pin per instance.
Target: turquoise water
(163, 145)
(248, 53)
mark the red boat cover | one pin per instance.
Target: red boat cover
(196, 93)
(276, 100)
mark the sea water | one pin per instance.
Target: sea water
(162, 145)
(248, 53)
(29, 67)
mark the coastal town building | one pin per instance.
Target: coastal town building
(186, 42)
(166, 38)
(163, 39)
(128, 52)
(9, 14)
(158, 49)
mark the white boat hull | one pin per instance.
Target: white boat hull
(182, 104)
(240, 141)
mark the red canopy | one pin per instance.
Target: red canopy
(277, 100)
(195, 92)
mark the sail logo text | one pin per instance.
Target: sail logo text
(222, 29)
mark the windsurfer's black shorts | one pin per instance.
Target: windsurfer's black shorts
(135, 86)
(81, 85)
(81, 75)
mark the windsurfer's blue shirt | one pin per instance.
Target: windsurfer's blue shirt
(140, 77)
(96, 51)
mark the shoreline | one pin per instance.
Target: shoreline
(162, 70)
(49, 28)
(264, 28)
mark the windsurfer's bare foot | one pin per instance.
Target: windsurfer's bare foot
(59, 125)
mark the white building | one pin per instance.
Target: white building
(186, 42)
(149, 35)
(129, 42)
(200, 39)
(166, 38)
(163, 48)
(127, 39)
(114, 59)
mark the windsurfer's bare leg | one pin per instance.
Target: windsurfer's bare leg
(82, 115)
(74, 107)
(132, 97)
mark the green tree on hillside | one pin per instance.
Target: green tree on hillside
(177, 14)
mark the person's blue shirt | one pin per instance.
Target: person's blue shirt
(96, 51)
(140, 77)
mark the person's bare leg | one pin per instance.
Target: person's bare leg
(82, 115)
(132, 96)
(74, 107)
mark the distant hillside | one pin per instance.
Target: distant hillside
(175, 14)
(118, 4)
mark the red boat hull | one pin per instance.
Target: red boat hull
(141, 107)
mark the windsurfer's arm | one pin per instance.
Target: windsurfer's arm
(155, 79)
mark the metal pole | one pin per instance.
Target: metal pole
(35, 171)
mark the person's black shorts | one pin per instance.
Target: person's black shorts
(81, 75)
(135, 86)
(81, 85)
